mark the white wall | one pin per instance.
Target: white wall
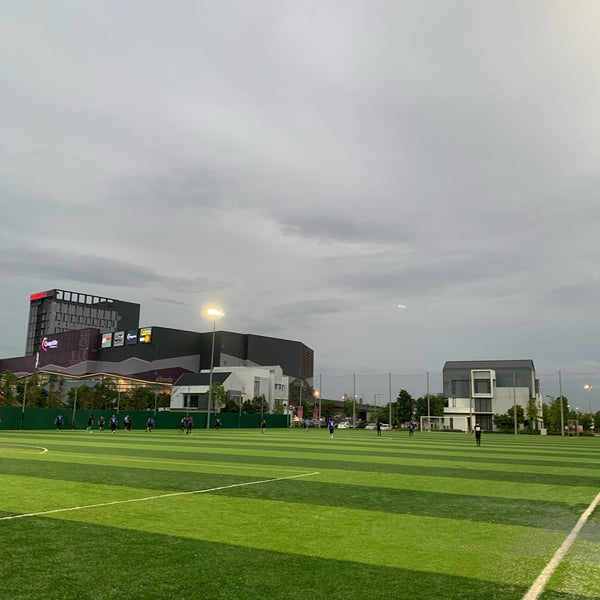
(242, 379)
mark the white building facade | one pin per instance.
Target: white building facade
(190, 391)
(477, 390)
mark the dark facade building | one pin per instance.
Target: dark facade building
(80, 334)
(58, 311)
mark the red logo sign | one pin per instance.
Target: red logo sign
(40, 295)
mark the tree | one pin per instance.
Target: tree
(137, 398)
(278, 408)
(85, 396)
(328, 409)
(506, 422)
(257, 405)
(349, 405)
(52, 399)
(503, 422)
(107, 393)
(532, 413)
(300, 391)
(436, 406)
(552, 414)
(8, 382)
(520, 414)
(33, 393)
(218, 396)
(405, 407)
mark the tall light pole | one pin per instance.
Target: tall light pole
(317, 395)
(589, 389)
(428, 405)
(214, 313)
(375, 402)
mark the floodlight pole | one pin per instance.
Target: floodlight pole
(428, 404)
(514, 403)
(354, 400)
(390, 397)
(562, 416)
(214, 313)
(212, 361)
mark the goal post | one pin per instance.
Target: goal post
(445, 423)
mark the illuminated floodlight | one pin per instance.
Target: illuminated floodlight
(214, 312)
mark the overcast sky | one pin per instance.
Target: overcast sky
(310, 166)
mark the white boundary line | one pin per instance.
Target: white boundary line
(540, 583)
(171, 495)
(10, 445)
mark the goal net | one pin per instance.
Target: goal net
(444, 423)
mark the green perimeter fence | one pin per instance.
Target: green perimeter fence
(44, 418)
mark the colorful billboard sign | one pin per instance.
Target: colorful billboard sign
(145, 335)
(107, 339)
(131, 337)
(48, 344)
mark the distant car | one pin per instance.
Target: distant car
(343, 425)
(386, 427)
(371, 426)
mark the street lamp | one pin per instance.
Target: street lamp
(214, 313)
(589, 388)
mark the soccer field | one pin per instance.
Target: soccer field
(292, 514)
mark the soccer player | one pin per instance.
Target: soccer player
(478, 434)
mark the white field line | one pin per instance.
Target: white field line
(158, 497)
(540, 583)
(9, 445)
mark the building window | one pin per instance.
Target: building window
(483, 405)
(483, 386)
(190, 401)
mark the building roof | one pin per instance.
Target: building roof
(196, 379)
(526, 363)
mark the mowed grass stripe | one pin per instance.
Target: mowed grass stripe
(534, 513)
(149, 566)
(178, 475)
(441, 469)
(213, 441)
(578, 575)
(415, 470)
(362, 539)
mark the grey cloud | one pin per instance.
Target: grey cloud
(170, 301)
(198, 189)
(49, 264)
(305, 166)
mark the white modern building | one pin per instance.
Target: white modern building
(190, 391)
(477, 390)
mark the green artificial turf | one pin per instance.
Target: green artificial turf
(294, 514)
